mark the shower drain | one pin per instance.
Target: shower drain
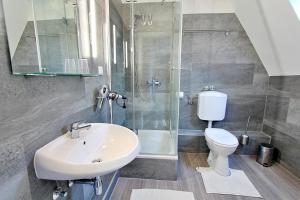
(98, 160)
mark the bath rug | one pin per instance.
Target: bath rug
(151, 194)
(236, 184)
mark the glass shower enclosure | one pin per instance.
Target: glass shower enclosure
(145, 67)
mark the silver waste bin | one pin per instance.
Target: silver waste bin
(265, 154)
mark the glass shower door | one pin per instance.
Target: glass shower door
(121, 79)
(145, 67)
(156, 85)
(175, 73)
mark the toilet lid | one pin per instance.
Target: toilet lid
(221, 136)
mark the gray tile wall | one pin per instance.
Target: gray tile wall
(34, 111)
(282, 119)
(81, 191)
(228, 62)
(194, 141)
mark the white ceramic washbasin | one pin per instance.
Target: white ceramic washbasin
(101, 149)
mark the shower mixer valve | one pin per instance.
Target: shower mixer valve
(105, 93)
(153, 82)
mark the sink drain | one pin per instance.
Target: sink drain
(99, 160)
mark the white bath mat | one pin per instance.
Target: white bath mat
(236, 184)
(155, 194)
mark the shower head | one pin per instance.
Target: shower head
(102, 95)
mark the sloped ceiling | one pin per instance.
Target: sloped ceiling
(272, 26)
(274, 30)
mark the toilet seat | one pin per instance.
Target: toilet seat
(221, 137)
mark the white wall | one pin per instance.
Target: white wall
(17, 13)
(207, 6)
(274, 29)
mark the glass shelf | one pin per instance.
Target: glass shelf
(49, 43)
(54, 74)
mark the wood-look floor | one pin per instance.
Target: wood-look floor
(273, 183)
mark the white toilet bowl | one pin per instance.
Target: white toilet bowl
(221, 144)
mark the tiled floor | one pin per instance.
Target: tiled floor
(274, 183)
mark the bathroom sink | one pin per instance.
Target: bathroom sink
(99, 150)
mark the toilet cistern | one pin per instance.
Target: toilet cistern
(211, 106)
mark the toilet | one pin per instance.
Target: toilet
(212, 107)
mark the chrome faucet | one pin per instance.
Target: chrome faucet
(76, 127)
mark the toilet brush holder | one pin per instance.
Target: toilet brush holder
(244, 140)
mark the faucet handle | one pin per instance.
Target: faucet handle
(74, 126)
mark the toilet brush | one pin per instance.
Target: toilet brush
(244, 138)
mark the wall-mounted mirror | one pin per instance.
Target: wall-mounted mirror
(49, 37)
